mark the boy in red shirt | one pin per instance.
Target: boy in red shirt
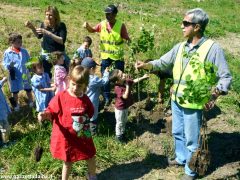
(123, 100)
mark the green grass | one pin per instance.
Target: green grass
(166, 15)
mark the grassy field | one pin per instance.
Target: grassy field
(163, 17)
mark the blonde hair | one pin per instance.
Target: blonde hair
(56, 16)
(80, 75)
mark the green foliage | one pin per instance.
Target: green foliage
(144, 42)
(199, 90)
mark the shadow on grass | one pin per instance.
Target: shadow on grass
(134, 170)
(224, 148)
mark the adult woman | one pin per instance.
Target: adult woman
(53, 33)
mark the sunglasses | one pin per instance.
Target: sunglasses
(187, 23)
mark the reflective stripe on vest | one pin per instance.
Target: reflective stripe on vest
(179, 74)
(111, 43)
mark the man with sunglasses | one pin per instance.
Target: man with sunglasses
(187, 117)
(112, 35)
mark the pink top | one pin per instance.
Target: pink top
(60, 78)
(65, 144)
(124, 33)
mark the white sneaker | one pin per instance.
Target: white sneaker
(17, 108)
(31, 104)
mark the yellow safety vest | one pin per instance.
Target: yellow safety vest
(111, 43)
(179, 74)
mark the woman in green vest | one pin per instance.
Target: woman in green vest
(112, 35)
(187, 116)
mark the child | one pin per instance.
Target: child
(84, 51)
(4, 112)
(60, 73)
(14, 60)
(70, 111)
(41, 86)
(94, 88)
(123, 100)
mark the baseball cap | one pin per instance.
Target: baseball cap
(88, 62)
(111, 9)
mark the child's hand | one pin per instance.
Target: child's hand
(85, 24)
(41, 117)
(12, 64)
(107, 69)
(4, 79)
(146, 76)
(129, 82)
(54, 87)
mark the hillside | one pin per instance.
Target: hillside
(144, 156)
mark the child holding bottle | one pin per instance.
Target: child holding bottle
(70, 111)
(14, 60)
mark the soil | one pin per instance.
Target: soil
(223, 144)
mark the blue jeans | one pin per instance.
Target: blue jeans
(119, 64)
(186, 126)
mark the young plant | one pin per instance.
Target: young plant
(199, 90)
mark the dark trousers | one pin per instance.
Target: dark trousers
(119, 64)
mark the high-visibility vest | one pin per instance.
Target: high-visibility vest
(111, 43)
(179, 74)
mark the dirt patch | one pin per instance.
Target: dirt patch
(231, 43)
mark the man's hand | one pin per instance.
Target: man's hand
(209, 105)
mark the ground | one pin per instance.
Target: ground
(223, 138)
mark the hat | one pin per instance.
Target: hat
(111, 9)
(88, 62)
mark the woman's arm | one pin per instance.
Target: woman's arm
(56, 38)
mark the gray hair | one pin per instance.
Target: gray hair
(199, 16)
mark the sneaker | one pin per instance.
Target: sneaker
(91, 177)
(173, 162)
(121, 138)
(187, 177)
(31, 104)
(8, 144)
(93, 128)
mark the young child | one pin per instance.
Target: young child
(94, 88)
(70, 111)
(84, 51)
(4, 112)
(60, 73)
(14, 60)
(123, 100)
(41, 85)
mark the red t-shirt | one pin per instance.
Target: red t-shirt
(124, 33)
(120, 102)
(65, 144)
